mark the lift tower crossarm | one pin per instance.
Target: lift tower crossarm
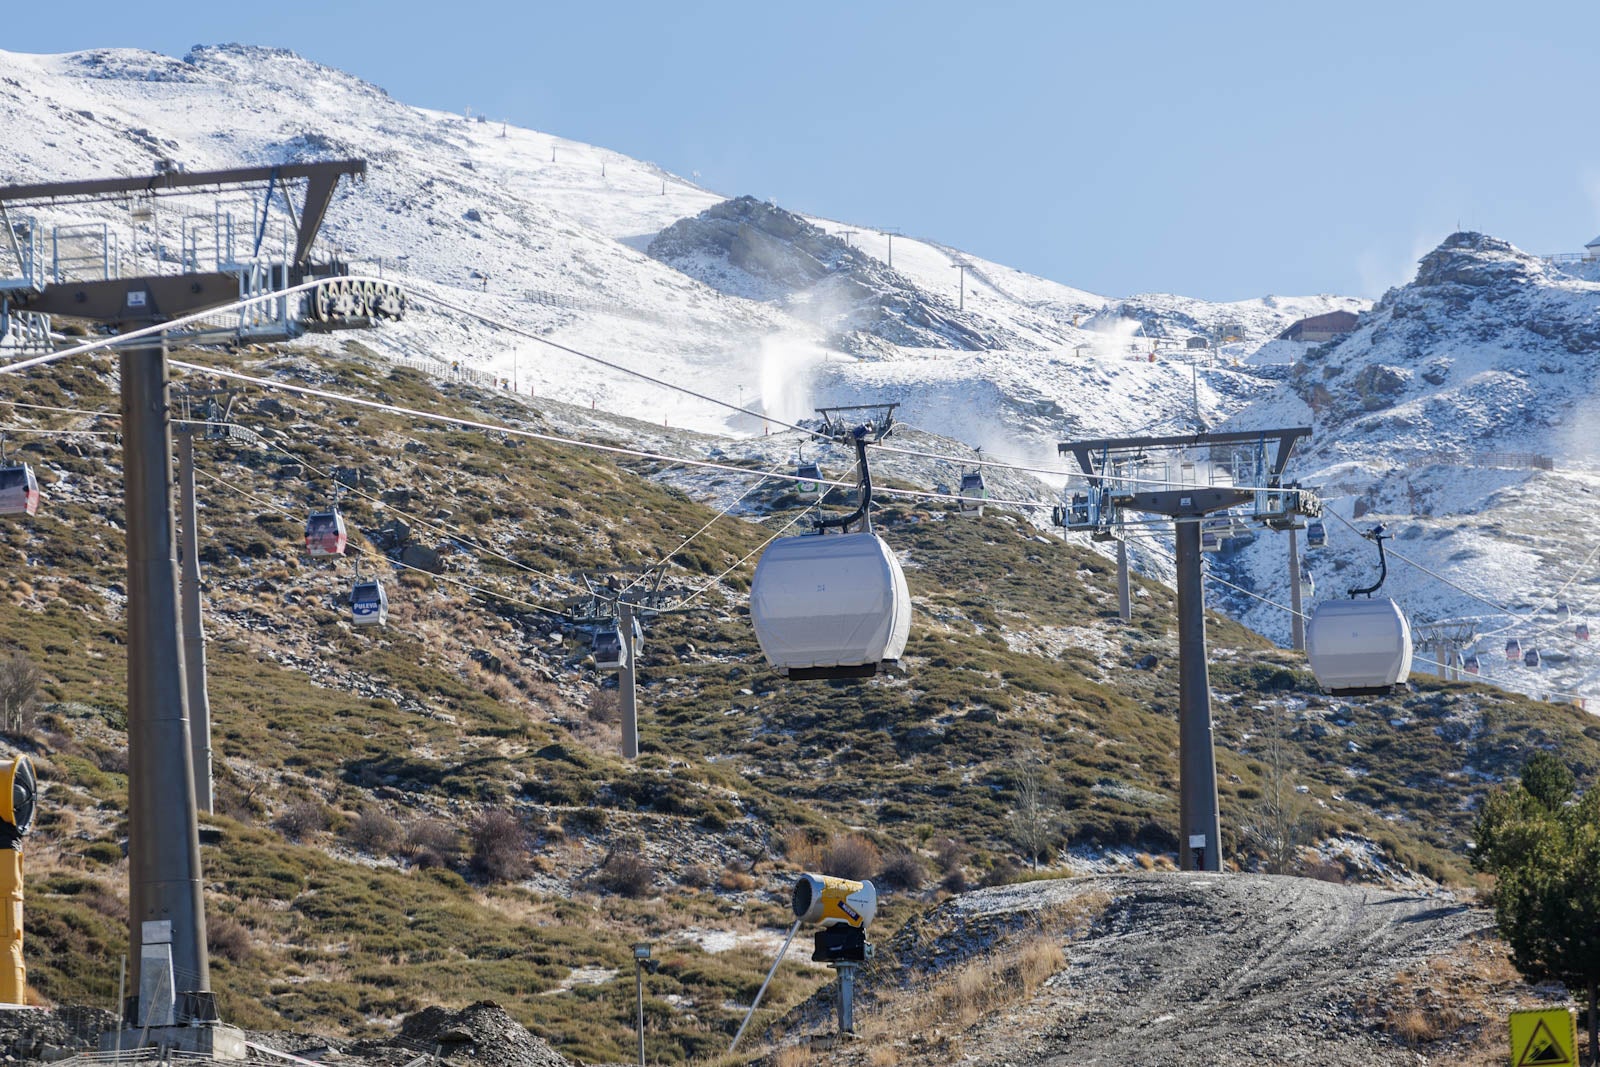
(1086, 451)
(321, 179)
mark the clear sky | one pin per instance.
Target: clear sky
(1221, 150)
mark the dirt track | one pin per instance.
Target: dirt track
(1219, 970)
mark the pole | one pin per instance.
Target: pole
(122, 1004)
(194, 635)
(1200, 825)
(638, 979)
(762, 991)
(1297, 618)
(627, 684)
(1124, 604)
(847, 997)
(163, 841)
(961, 280)
(891, 250)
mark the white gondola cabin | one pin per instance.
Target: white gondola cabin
(830, 605)
(1563, 611)
(326, 534)
(1359, 646)
(610, 650)
(19, 490)
(1308, 584)
(808, 480)
(973, 493)
(369, 604)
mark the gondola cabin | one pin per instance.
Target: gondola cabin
(1308, 584)
(973, 493)
(369, 604)
(1513, 650)
(1470, 664)
(808, 480)
(610, 651)
(1359, 646)
(326, 534)
(1563, 611)
(1581, 631)
(19, 490)
(1316, 533)
(830, 606)
(1530, 658)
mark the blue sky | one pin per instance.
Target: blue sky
(1221, 150)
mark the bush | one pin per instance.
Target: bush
(605, 706)
(584, 821)
(850, 856)
(499, 846)
(903, 870)
(949, 854)
(227, 937)
(431, 843)
(375, 833)
(301, 819)
(626, 874)
(1004, 872)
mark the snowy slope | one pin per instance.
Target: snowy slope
(548, 236)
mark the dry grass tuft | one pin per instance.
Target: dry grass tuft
(793, 1056)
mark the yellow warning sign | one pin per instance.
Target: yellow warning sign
(1544, 1038)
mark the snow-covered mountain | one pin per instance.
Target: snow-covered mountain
(554, 236)
(1436, 416)
(1486, 352)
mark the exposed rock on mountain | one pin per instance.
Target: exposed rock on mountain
(748, 248)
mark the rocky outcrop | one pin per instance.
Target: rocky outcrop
(749, 248)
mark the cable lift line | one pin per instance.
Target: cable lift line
(513, 431)
(830, 606)
(447, 579)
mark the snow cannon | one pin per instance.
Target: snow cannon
(819, 898)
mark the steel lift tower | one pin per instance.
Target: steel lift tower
(1121, 477)
(173, 1006)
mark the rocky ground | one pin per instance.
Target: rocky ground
(1170, 968)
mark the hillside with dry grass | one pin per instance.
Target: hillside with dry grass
(437, 813)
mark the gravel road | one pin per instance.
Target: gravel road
(1219, 970)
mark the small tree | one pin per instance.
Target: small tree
(1545, 853)
(1278, 824)
(19, 689)
(1033, 821)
